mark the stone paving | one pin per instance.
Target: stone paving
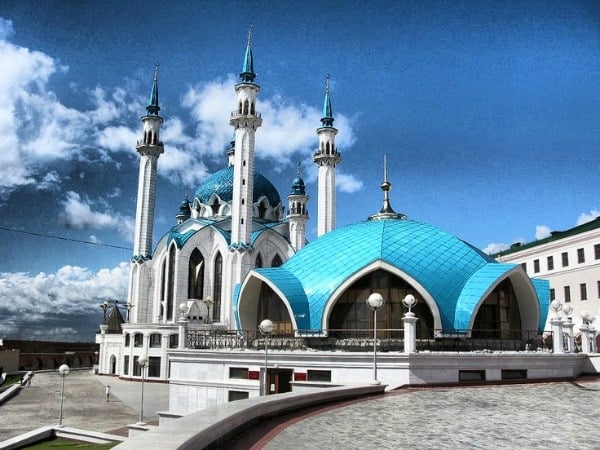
(84, 404)
(532, 416)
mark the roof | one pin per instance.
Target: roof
(554, 236)
(221, 183)
(453, 272)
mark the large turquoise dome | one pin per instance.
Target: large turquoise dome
(221, 183)
(454, 274)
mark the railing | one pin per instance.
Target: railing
(362, 340)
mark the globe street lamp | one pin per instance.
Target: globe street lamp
(375, 301)
(266, 328)
(63, 371)
(142, 362)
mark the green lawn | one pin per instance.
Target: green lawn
(60, 443)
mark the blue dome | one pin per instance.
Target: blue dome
(298, 187)
(455, 274)
(221, 183)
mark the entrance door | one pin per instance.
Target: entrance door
(280, 380)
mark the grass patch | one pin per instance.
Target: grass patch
(10, 380)
(61, 443)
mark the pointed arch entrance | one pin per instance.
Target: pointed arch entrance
(351, 312)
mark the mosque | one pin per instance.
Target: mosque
(235, 257)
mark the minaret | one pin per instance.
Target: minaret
(245, 120)
(326, 157)
(298, 213)
(149, 148)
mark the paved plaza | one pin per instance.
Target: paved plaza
(525, 416)
(84, 404)
(531, 416)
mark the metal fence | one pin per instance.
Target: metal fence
(362, 340)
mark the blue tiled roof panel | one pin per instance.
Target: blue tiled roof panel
(542, 288)
(440, 262)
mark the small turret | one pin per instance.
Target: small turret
(185, 210)
(298, 212)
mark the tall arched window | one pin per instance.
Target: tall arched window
(171, 283)
(258, 262)
(276, 262)
(196, 275)
(218, 282)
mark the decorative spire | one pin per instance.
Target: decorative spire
(153, 107)
(386, 212)
(248, 75)
(327, 119)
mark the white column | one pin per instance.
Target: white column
(182, 323)
(568, 327)
(557, 334)
(585, 338)
(410, 332)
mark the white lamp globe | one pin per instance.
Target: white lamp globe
(266, 327)
(64, 370)
(375, 301)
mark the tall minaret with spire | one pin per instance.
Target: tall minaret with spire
(298, 212)
(150, 148)
(245, 121)
(327, 158)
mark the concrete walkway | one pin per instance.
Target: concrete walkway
(84, 404)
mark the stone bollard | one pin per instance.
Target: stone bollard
(557, 334)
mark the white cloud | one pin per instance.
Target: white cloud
(78, 213)
(347, 183)
(495, 248)
(49, 182)
(587, 217)
(542, 232)
(45, 304)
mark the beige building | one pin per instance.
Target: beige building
(570, 261)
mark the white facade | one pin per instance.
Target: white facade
(570, 261)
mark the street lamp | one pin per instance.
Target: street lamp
(142, 362)
(266, 328)
(63, 371)
(375, 301)
(129, 306)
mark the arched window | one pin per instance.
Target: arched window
(246, 107)
(171, 283)
(259, 262)
(498, 316)
(252, 108)
(215, 206)
(163, 284)
(276, 261)
(270, 306)
(240, 108)
(196, 275)
(218, 281)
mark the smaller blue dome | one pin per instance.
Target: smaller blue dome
(298, 187)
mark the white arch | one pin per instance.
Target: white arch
(382, 265)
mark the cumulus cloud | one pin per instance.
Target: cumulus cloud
(44, 305)
(347, 183)
(542, 232)
(587, 217)
(494, 248)
(78, 213)
(6, 29)
(288, 130)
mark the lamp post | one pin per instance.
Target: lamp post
(129, 306)
(143, 362)
(266, 328)
(375, 301)
(63, 371)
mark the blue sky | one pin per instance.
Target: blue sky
(489, 113)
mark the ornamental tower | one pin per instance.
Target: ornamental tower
(245, 121)
(326, 158)
(150, 148)
(298, 213)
